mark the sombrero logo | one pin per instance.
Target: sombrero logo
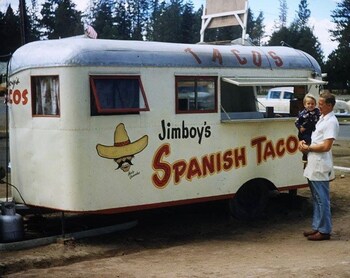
(123, 150)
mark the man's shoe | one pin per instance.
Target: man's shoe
(319, 236)
(309, 233)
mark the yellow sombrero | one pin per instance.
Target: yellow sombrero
(122, 145)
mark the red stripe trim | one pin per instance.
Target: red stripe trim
(121, 144)
(166, 204)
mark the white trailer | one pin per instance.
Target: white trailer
(106, 126)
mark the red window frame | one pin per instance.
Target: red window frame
(95, 101)
(196, 80)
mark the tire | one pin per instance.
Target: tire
(250, 201)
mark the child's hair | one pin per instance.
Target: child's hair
(309, 96)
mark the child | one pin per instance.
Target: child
(307, 120)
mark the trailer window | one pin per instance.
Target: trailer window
(45, 96)
(196, 94)
(117, 95)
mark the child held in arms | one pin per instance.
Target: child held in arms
(307, 120)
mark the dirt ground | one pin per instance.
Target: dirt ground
(203, 241)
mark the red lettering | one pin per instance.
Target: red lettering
(240, 157)
(240, 60)
(258, 143)
(16, 96)
(256, 57)
(211, 164)
(292, 144)
(269, 151)
(194, 170)
(160, 180)
(179, 170)
(208, 164)
(228, 160)
(218, 162)
(278, 60)
(24, 97)
(217, 56)
(280, 149)
(189, 50)
(257, 60)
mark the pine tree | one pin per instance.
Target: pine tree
(197, 24)
(67, 20)
(47, 22)
(299, 36)
(11, 38)
(155, 28)
(341, 17)
(139, 15)
(172, 22)
(188, 24)
(3, 32)
(103, 19)
(255, 27)
(283, 14)
(34, 25)
(122, 21)
(338, 64)
(303, 14)
(60, 19)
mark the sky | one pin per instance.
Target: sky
(320, 18)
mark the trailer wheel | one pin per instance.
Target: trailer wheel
(250, 200)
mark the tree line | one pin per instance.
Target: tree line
(173, 21)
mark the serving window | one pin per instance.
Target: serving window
(196, 94)
(45, 95)
(117, 95)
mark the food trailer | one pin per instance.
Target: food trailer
(105, 126)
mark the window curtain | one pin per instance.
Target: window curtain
(47, 96)
(118, 93)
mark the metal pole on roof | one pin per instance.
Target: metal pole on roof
(203, 24)
(245, 20)
(22, 10)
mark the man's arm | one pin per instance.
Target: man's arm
(325, 146)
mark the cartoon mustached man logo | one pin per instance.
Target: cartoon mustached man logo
(123, 151)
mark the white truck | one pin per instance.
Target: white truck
(279, 98)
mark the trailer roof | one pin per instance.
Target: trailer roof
(96, 52)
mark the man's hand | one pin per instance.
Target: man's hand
(303, 147)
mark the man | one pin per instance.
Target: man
(319, 169)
